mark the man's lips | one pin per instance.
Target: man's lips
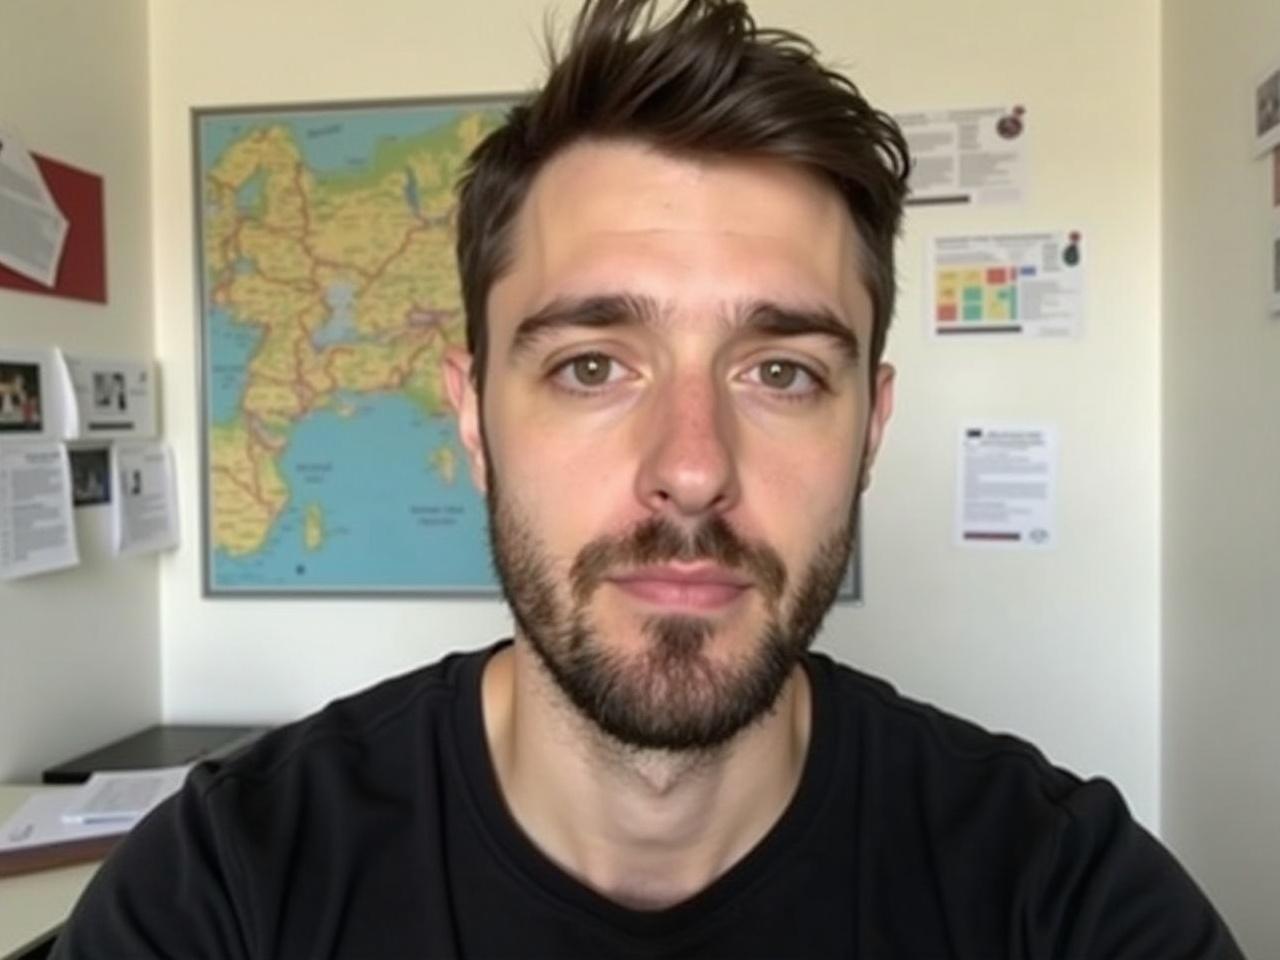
(702, 587)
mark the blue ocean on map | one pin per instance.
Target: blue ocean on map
(391, 521)
(333, 140)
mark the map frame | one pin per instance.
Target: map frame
(851, 588)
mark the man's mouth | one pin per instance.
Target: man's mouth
(697, 587)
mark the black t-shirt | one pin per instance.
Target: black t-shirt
(376, 828)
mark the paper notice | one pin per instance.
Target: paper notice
(967, 156)
(145, 508)
(33, 230)
(36, 529)
(110, 398)
(1020, 284)
(19, 176)
(1006, 486)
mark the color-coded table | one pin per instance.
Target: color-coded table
(979, 294)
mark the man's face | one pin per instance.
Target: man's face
(676, 424)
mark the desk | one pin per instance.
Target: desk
(35, 903)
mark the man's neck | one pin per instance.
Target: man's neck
(644, 828)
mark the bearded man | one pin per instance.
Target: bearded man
(677, 267)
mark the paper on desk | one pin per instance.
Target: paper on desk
(122, 796)
(33, 230)
(38, 822)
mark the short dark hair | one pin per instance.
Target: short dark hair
(704, 79)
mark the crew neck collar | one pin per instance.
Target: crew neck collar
(545, 878)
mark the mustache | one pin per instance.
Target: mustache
(658, 540)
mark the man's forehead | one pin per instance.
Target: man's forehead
(607, 179)
(617, 215)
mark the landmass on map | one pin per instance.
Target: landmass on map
(349, 281)
(445, 462)
(313, 527)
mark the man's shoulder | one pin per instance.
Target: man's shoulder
(368, 729)
(902, 739)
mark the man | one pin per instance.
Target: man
(677, 265)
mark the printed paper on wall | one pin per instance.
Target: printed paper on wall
(1014, 284)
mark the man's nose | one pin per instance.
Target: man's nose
(689, 464)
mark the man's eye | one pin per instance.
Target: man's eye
(786, 376)
(588, 370)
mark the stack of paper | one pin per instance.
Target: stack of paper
(58, 827)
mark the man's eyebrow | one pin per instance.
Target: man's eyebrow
(604, 310)
(613, 310)
(773, 319)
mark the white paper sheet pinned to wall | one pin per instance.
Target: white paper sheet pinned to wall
(1006, 486)
(33, 231)
(972, 156)
(145, 507)
(109, 398)
(1011, 284)
(37, 532)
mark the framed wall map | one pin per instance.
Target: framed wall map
(327, 295)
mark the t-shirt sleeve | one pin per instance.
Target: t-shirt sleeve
(164, 892)
(1106, 889)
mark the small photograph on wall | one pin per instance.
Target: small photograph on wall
(110, 394)
(20, 409)
(91, 476)
(1266, 112)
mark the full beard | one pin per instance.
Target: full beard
(672, 696)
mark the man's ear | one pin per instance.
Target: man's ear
(466, 404)
(881, 411)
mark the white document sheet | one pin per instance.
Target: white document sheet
(32, 228)
(974, 156)
(39, 822)
(37, 532)
(122, 796)
(145, 508)
(1006, 486)
(109, 398)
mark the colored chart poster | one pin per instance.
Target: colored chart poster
(328, 294)
(1019, 284)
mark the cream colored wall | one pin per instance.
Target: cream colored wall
(1221, 786)
(1061, 647)
(79, 650)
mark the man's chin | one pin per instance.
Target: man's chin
(680, 685)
